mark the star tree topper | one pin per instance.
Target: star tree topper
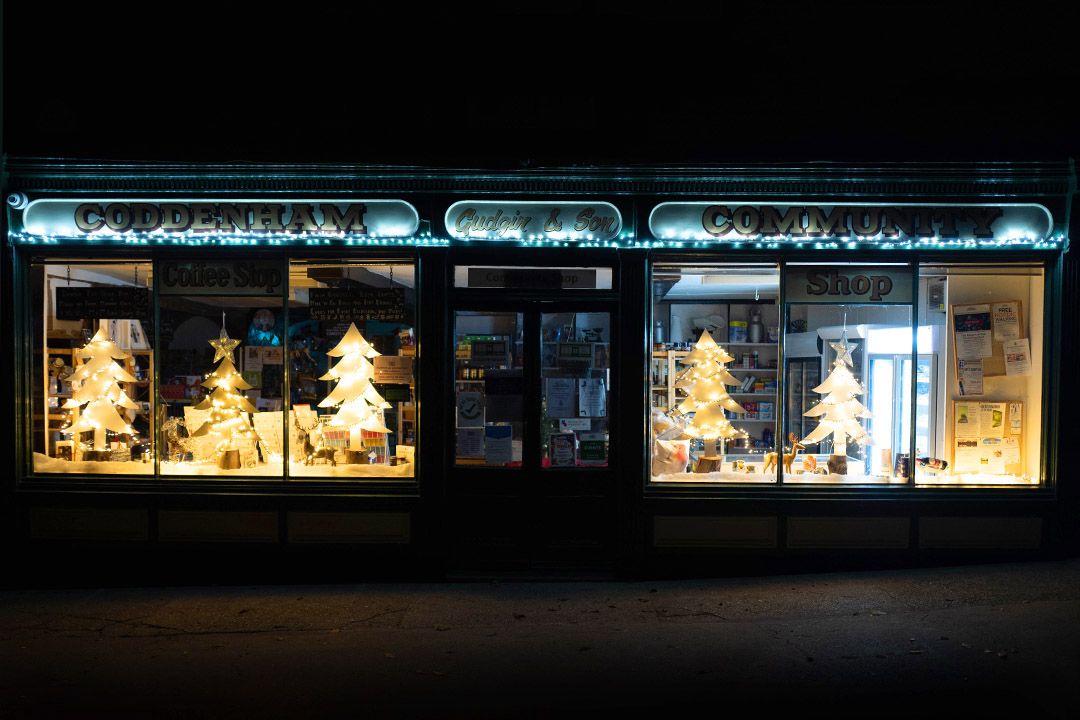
(223, 346)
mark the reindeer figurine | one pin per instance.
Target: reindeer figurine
(789, 458)
(316, 451)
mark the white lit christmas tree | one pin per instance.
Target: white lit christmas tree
(227, 424)
(359, 405)
(706, 395)
(839, 411)
(99, 390)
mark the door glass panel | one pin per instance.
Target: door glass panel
(576, 388)
(488, 388)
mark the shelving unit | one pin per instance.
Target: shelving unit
(666, 365)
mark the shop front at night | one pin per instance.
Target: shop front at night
(336, 371)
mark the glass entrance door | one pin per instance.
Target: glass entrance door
(531, 464)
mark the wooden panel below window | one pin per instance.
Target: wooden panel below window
(714, 532)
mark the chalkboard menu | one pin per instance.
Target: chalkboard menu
(100, 303)
(339, 304)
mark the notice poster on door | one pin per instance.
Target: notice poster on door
(972, 325)
(560, 397)
(470, 409)
(591, 397)
(498, 445)
(470, 442)
(591, 449)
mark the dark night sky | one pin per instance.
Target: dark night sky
(575, 83)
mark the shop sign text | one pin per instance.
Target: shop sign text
(556, 220)
(830, 284)
(246, 277)
(745, 220)
(385, 218)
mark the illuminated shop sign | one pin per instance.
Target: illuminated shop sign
(538, 220)
(739, 220)
(380, 218)
(844, 284)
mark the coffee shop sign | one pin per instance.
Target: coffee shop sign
(537, 220)
(376, 218)
(741, 220)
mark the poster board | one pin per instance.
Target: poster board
(1006, 321)
(978, 437)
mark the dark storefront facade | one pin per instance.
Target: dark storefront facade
(341, 371)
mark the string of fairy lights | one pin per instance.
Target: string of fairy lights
(625, 240)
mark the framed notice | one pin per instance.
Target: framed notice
(987, 437)
(980, 332)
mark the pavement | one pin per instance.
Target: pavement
(993, 641)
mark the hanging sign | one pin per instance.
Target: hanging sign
(78, 303)
(542, 220)
(532, 278)
(384, 304)
(844, 284)
(378, 218)
(741, 220)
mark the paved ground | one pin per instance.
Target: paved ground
(995, 641)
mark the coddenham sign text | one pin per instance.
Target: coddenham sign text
(381, 218)
(483, 219)
(746, 220)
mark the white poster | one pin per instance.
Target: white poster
(992, 455)
(991, 420)
(470, 409)
(973, 325)
(1016, 418)
(498, 444)
(1017, 357)
(970, 377)
(575, 425)
(252, 359)
(966, 455)
(470, 442)
(560, 397)
(967, 420)
(1011, 450)
(1007, 321)
(591, 397)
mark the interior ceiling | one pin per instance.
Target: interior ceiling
(716, 286)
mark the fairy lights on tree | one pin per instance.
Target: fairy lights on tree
(99, 391)
(706, 395)
(227, 424)
(359, 405)
(839, 411)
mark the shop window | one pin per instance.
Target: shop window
(350, 354)
(222, 370)
(980, 398)
(847, 383)
(92, 367)
(713, 382)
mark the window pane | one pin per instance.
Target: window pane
(576, 388)
(488, 388)
(93, 369)
(983, 354)
(848, 383)
(222, 378)
(713, 384)
(351, 354)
